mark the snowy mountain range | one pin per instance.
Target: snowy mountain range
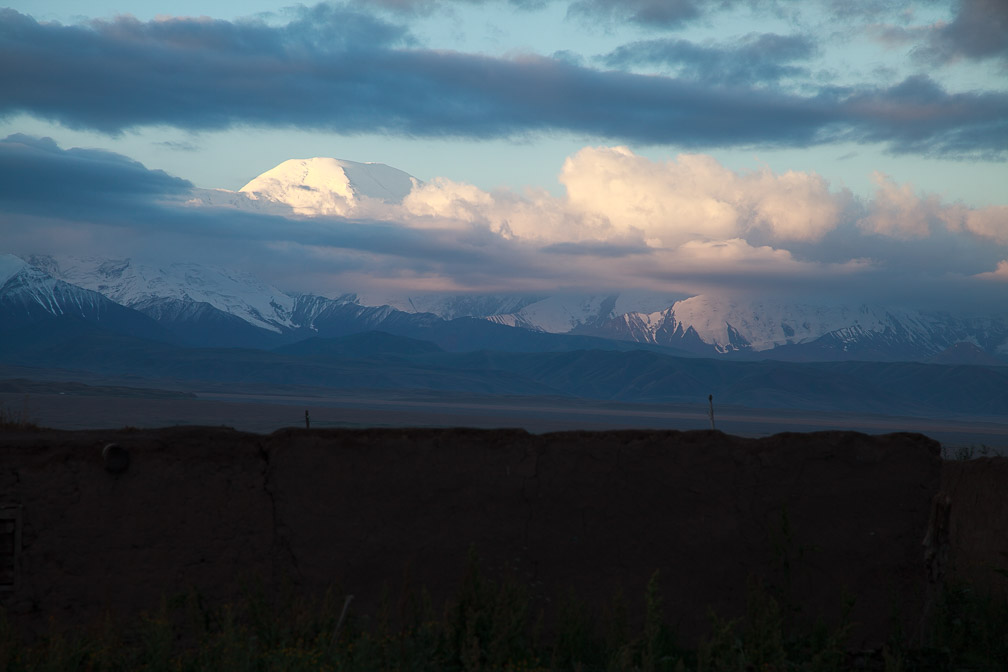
(807, 331)
(201, 305)
(165, 289)
(29, 296)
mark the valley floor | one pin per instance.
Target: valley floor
(258, 410)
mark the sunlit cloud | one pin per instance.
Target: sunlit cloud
(990, 223)
(999, 274)
(694, 197)
(897, 211)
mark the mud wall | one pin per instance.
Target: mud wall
(819, 515)
(974, 500)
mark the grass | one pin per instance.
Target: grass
(490, 625)
(17, 419)
(964, 452)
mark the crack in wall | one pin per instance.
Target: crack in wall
(279, 542)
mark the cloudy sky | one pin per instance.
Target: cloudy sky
(845, 149)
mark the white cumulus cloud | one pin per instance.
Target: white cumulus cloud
(897, 211)
(614, 194)
(990, 223)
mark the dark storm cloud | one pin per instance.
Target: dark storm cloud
(598, 249)
(659, 13)
(37, 177)
(917, 116)
(332, 68)
(424, 7)
(979, 30)
(754, 58)
(178, 146)
(848, 10)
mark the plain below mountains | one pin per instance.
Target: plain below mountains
(385, 362)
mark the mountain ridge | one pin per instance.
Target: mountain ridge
(29, 295)
(216, 307)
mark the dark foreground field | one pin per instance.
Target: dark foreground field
(63, 406)
(470, 549)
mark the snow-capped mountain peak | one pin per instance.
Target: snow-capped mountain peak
(554, 313)
(142, 285)
(9, 267)
(763, 325)
(722, 324)
(326, 186)
(28, 292)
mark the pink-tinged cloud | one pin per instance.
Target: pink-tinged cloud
(990, 223)
(897, 211)
(614, 194)
(999, 274)
(694, 197)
